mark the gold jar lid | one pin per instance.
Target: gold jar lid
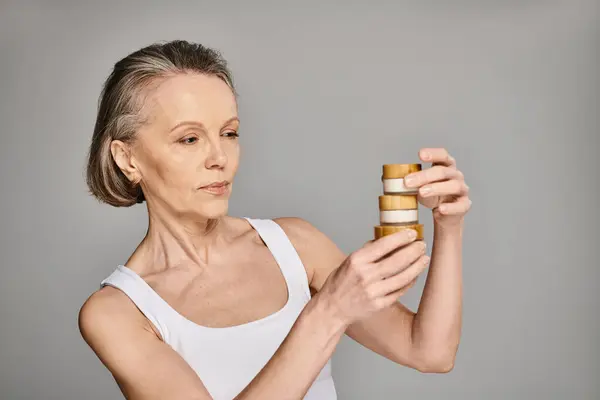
(384, 230)
(398, 202)
(395, 171)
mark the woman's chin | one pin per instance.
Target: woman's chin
(212, 209)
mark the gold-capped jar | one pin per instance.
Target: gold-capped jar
(393, 178)
(384, 230)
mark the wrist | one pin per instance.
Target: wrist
(450, 230)
(326, 314)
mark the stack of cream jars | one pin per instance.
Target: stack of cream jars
(398, 207)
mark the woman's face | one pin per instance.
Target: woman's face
(189, 141)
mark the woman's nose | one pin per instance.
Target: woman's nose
(217, 157)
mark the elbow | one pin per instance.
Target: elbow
(435, 359)
(438, 363)
(436, 367)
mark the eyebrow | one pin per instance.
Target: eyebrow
(200, 124)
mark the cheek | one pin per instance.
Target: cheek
(175, 181)
(163, 169)
(233, 156)
(171, 174)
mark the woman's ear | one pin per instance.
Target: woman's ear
(121, 153)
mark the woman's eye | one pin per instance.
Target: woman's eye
(189, 140)
(233, 135)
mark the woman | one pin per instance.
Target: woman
(213, 306)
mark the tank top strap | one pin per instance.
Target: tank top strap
(143, 296)
(284, 253)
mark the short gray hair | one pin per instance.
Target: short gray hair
(119, 109)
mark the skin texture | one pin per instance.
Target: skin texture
(200, 260)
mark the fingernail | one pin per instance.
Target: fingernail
(409, 180)
(412, 233)
(426, 260)
(426, 190)
(426, 156)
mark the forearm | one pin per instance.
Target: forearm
(301, 356)
(437, 323)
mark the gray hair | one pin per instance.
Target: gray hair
(120, 105)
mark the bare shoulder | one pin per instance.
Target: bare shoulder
(318, 252)
(106, 312)
(97, 308)
(143, 366)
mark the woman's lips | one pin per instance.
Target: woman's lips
(217, 190)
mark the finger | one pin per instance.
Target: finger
(390, 298)
(399, 261)
(460, 206)
(452, 187)
(405, 288)
(433, 174)
(411, 284)
(438, 156)
(376, 249)
(386, 286)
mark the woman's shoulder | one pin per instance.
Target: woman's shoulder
(105, 303)
(318, 252)
(106, 311)
(304, 234)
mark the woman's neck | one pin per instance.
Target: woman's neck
(170, 242)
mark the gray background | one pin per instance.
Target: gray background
(330, 91)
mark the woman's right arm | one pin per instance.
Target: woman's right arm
(145, 368)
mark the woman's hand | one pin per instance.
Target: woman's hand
(374, 276)
(441, 187)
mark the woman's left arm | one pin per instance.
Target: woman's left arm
(436, 327)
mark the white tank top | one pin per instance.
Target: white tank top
(227, 359)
